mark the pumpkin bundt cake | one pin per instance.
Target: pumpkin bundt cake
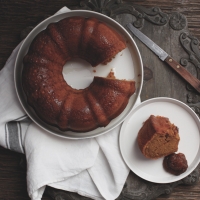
(158, 137)
(52, 98)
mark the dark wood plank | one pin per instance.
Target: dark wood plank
(190, 9)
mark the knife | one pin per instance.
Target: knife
(164, 56)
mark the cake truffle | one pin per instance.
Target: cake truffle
(175, 163)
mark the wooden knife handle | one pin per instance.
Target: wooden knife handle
(193, 81)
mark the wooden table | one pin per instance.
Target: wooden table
(15, 16)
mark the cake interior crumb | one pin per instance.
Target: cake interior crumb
(111, 74)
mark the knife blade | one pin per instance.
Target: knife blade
(164, 56)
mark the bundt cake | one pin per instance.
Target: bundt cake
(158, 137)
(175, 163)
(54, 101)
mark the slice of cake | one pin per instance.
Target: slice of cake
(158, 137)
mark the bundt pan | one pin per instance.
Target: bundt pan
(79, 74)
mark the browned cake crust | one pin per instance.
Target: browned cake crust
(158, 137)
(47, 91)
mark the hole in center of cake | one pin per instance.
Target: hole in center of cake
(78, 73)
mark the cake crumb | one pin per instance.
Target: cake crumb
(111, 74)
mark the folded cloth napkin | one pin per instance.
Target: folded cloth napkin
(91, 167)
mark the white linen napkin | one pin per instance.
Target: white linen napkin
(91, 167)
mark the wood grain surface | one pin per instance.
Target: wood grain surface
(15, 16)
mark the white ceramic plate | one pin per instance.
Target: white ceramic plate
(79, 74)
(189, 130)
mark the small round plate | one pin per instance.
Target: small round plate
(189, 130)
(127, 65)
